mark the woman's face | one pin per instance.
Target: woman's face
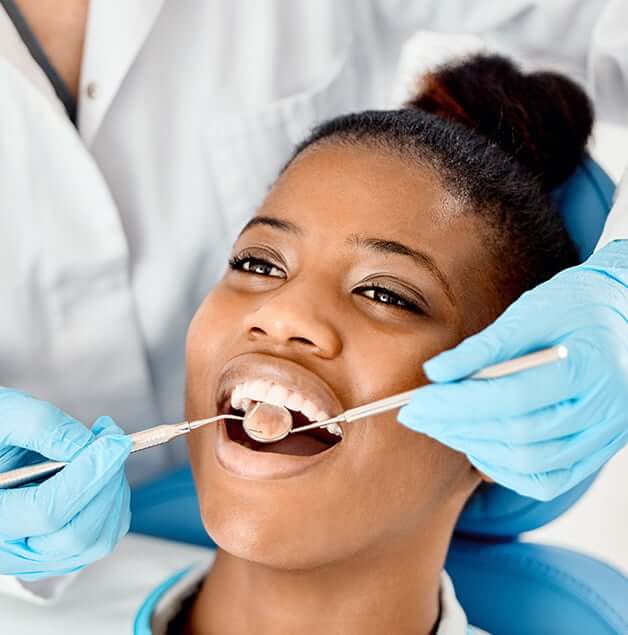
(356, 269)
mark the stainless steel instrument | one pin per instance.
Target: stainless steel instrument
(512, 366)
(282, 426)
(142, 440)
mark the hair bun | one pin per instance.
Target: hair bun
(542, 119)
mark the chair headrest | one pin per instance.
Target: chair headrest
(584, 202)
(515, 588)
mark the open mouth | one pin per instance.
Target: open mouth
(303, 411)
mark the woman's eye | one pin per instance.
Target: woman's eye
(386, 296)
(256, 266)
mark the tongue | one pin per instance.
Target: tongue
(296, 444)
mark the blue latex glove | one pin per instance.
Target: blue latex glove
(76, 516)
(542, 431)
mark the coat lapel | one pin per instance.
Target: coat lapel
(116, 30)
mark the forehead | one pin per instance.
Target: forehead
(363, 189)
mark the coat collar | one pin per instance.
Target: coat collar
(115, 33)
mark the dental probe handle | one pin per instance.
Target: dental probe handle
(141, 441)
(149, 438)
(510, 367)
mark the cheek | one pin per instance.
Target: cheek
(391, 363)
(210, 339)
(411, 482)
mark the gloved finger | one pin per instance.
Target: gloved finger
(106, 425)
(36, 557)
(546, 456)
(547, 485)
(568, 417)
(503, 397)
(33, 511)
(92, 532)
(39, 426)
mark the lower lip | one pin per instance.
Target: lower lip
(246, 463)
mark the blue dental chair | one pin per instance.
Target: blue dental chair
(505, 586)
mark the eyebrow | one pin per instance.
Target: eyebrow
(378, 245)
(275, 223)
(393, 247)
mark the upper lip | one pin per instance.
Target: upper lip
(284, 372)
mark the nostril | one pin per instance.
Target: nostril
(303, 340)
(256, 332)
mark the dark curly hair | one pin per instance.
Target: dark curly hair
(500, 141)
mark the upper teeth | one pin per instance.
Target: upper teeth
(277, 395)
(262, 390)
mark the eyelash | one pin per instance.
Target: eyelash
(239, 263)
(395, 299)
(242, 261)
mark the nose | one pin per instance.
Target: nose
(294, 318)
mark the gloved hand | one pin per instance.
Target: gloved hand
(78, 515)
(542, 431)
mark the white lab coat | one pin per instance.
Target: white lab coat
(110, 238)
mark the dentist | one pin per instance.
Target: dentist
(137, 137)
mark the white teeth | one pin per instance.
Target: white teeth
(334, 428)
(236, 397)
(277, 395)
(309, 409)
(255, 390)
(294, 401)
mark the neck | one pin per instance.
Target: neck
(388, 589)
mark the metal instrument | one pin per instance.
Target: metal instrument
(267, 423)
(510, 367)
(149, 438)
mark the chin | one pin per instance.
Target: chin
(266, 537)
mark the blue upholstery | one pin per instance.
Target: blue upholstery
(499, 512)
(507, 587)
(515, 588)
(584, 202)
(168, 508)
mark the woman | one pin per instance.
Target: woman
(389, 236)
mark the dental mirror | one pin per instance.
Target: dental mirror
(267, 423)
